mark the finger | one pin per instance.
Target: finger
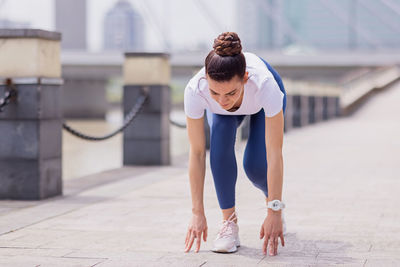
(276, 246)
(271, 246)
(265, 244)
(187, 237)
(205, 235)
(282, 240)
(198, 241)
(190, 243)
(262, 232)
(187, 242)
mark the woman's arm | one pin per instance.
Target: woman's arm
(197, 156)
(271, 229)
(274, 142)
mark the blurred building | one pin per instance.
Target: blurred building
(123, 28)
(324, 24)
(70, 18)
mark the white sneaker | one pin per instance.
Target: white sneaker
(227, 240)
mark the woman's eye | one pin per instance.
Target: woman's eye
(232, 93)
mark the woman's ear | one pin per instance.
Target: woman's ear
(246, 77)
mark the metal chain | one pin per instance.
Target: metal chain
(128, 119)
(11, 94)
(178, 124)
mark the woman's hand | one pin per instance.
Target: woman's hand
(197, 227)
(271, 230)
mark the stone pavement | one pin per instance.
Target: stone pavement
(341, 187)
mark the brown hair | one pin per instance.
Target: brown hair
(226, 59)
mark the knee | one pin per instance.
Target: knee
(257, 174)
(255, 170)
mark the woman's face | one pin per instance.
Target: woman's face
(227, 93)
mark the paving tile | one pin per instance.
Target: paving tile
(337, 175)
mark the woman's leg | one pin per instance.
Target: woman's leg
(222, 158)
(255, 155)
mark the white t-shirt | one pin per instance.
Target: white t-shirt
(260, 91)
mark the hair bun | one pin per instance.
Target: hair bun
(227, 44)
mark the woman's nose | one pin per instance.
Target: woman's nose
(223, 100)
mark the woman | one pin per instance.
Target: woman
(230, 86)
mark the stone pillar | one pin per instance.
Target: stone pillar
(300, 110)
(31, 127)
(331, 107)
(315, 105)
(146, 140)
(319, 108)
(311, 109)
(338, 109)
(289, 113)
(245, 131)
(304, 110)
(207, 132)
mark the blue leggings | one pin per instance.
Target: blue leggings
(222, 151)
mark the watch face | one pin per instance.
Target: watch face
(275, 205)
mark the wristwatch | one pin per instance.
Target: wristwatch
(276, 204)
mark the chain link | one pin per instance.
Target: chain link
(128, 119)
(178, 124)
(10, 94)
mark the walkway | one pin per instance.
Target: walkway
(341, 187)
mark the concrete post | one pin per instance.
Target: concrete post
(146, 140)
(319, 108)
(315, 108)
(288, 113)
(331, 107)
(245, 131)
(311, 109)
(207, 132)
(31, 128)
(338, 109)
(300, 110)
(304, 110)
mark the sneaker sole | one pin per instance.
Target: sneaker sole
(232, 250)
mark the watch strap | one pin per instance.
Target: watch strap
(281, 206)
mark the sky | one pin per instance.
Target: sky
(186, 23)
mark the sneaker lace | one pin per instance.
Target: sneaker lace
(227, 225)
